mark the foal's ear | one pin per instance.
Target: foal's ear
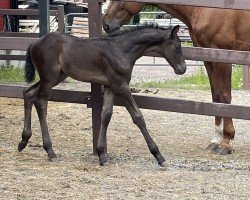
(175, 30)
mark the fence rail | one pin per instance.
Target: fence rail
(214, 55)
(24, 12)
(224, 4)
(145, 102)
(15, 43)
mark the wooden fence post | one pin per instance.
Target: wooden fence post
(95, 30)
(245, 77)
(44, 22)
(60, 17)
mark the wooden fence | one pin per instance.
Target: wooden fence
(20, 41)
(94, 98)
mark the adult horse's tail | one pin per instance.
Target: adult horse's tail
(30, 71)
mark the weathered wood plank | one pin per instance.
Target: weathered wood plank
(19, 34)
(227, 4)
(214, 55)
(145, 102)
(12, 57)
(20, 12)
(16, 91)
(16, 43)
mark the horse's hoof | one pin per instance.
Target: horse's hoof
(22, 145)
(163, 164)
(105, 164)
(103, 160)
(55, 159)
(161, 161)
(212, 147)
(163, 167)
(223, 150)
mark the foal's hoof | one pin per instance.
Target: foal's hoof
(55, 159)
(103, 160)
(161, 161)
(22, 145)
(164, 165)
(212, 147)
(224, 150)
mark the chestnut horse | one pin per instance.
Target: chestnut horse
(107, 60)
(210, 28)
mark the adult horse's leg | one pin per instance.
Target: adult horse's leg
(29, 98)
(220, 81)
(218, 134)
(107, 110)
(138, 119)
(41, 104)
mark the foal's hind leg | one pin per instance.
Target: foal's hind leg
(29, 98)
(137, 117)
(107, 111)
(41, 104)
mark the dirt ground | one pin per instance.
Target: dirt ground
(132, 173)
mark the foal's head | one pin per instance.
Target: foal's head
(163, 41)
(150, 38)
(171, 50)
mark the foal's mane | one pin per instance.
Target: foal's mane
(136, 28)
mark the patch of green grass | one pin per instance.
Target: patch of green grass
(197, 81)
(10, 74)
(187, 44)
(237, 77)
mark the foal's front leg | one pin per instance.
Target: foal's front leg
(107, 111)
(138, 119)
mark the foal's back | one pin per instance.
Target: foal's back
(78, 58)
(55, 45)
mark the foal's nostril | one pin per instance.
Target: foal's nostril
(116, 28)
(106, 28)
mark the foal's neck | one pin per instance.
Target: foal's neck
(146, 37)
(139, 42)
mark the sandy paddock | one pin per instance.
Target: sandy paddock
(132, 173)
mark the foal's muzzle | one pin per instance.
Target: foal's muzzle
(180, 69)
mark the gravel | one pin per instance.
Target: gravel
(132, 173)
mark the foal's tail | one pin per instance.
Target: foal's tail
(30, 71)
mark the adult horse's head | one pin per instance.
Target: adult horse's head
(171, 50)
(118, 13)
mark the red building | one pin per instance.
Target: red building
(3, 4)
